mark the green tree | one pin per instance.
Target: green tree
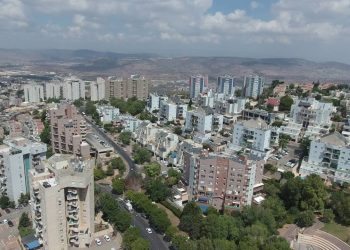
(153, 169)
(340, 203)
(173, 177)
(125, 137)
(24, 221)
(118, 163)
(276, 206)
(305, 146)
(191, 219)
(285, 103)
(24, 199)
(45, 135)
(99, 174)
(328, 215)
(276, 243)
(130, 235)
(140, 244)
(305, 219)
(78, 103)
(121, 220)
(4, 202)
(178, 130)
(118, 186)
(109, 171)
(157, 190)
(141, 155)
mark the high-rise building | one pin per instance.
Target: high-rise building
(253, 86)
(135, 86)
(226, 85)
(68, 131)
(62, 201)
(17, 157)
(33, 92)
(227, 181)
(54, 90)
(97, 89)
(198, 84)
(73, 89)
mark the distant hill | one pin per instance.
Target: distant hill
(88, 62)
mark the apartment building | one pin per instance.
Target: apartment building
(227, 181)
(311, 112)
(160, 141)
(253, 86)
(53, 90)
(346, 130)
(17, 156)
(135, 86)
(68, 131)
(108, 113)
(203, 120)
(198, 84)
(254, 134)
(97, 89)
(33, 92)
(231, 106)
(168, 110)
(62, 201)
(268, 117)
(329, 157)
(73, 88)
(226, 85)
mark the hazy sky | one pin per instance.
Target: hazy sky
(311, 29)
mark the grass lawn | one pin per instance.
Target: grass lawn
(173, 219)
(342, 232)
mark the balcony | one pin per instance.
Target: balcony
(72, 197)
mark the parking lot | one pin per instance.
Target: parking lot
(288, 155)
(9, 235)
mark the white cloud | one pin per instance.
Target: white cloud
(12, 14)
(254, 4)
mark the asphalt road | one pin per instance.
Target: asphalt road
(117, 148)
(156, 240)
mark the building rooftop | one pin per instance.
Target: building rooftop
(336, 139)
(255, 124)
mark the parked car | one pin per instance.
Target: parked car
(10, 223)
(4, 221)
(7, 210)
(149, 230)
(106, 237)
(98, 242)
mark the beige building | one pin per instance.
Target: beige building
(134, 86)
(68, 131)
(62, 200)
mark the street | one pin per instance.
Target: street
(155, 239)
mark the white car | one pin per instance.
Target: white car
(98, 242)
(149, 230)
(106, 237)
(5, 221)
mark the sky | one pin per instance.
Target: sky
(310, 29)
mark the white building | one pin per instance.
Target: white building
(253, 86)
(97, 89)
(254, 134)
(17, 157)
(198, 84)
(62, 201)
(129, 123)
(54, 90)
(154, 102)
(346, 130)
(73, 89)
(226, 85)
(311, 112)
(108, 113)
(231, 106)
(329, 157)
(292, 129)
(203, 120)
(168, 110)
(33, 92)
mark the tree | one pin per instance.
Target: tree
(109, 171)
(285, 103)
(4, 202)
(178, 130)
(305, 219)
(276, 243)
(276, 206)
(121, 220)
(24, 199)
(153, 169)
(24, 221)
(141, 155)
(45, 135)
(191, 219)
(190, 103)
(305, 146)
(99, 174)
(238, 92)
(118, 186)
(78, 103)
(173, 177)
(157, 190)
(140, 244)
(328, 215)
(277, 123)
(340, 203)
(125, 137)
(283, 140)
(118, 163)
(270, 167)
(130, 235)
